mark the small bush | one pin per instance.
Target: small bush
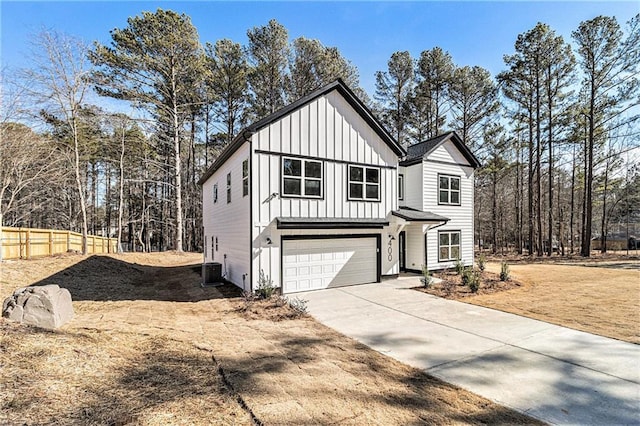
(298, 305)
(265, 289)
(427, 279)
(482, 262)
(459, 267)
(504, 272)
(471, 278)
(466, 276)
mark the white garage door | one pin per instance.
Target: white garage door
(323, 263)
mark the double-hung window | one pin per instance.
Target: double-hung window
(301, 178)
(449, 190)
(364, 183)
(228, 187)
(245, 178)
(448, 245)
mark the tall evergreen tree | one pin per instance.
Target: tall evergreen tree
(227, 84)
(610, 62)
(430, 99)
(268, 51)
(313, 65)
(156, 62)
(393, 89)
(474, 102)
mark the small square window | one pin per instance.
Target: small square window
(364, 183)
(301, 178)
(449, 190)
(448, 245)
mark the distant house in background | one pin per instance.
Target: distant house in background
(618, 241)
(319, 195)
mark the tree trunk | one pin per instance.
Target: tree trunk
(121, 189)
(572, 205)
(586, 243)
(603, 227)
(79, 185)
(178, 169)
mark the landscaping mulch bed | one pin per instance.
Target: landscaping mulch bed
(451, 286)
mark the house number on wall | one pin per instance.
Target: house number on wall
(390, 251)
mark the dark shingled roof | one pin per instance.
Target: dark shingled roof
(328, 223)
(416, 152)
(414, 215)
(419, 149)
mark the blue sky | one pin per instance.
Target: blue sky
(367, 33)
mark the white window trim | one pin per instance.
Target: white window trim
(449, 246)
(401, 187)
(364, 183)
(449, 190)
(302, 178)
(228, 187)
(215, 193)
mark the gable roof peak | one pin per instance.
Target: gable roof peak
(422, 149)
(342, 88)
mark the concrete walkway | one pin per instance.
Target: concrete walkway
(555, 374)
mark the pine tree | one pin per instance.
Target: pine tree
(155, 62)
(393, 90)
(268, 51)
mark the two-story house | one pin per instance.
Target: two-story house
(319, 195)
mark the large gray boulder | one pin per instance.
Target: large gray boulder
(47, 306)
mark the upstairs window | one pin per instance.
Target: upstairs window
(401, 187)
(228, 187)
(364, 183)
(301, 178)
(449, 190)
(245, 178)
(215, 193)
(448, 245)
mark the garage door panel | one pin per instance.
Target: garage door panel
(313, 264)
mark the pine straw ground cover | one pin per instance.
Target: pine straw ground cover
(148, 345)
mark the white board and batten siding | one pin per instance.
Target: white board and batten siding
(326, 129)
(447, 160)
(228, 222)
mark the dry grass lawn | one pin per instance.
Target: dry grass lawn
(148, 345)
(600, 297)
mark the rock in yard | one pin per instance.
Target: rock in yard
(47, 306)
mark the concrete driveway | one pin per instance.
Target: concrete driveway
(553, 373)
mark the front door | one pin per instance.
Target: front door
(402, 249)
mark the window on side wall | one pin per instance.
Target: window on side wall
(228, 187)
(302, 178)
(215, 193)
(401, 187)
(364, 183)
(449, 190)
(448, 245)
(245, 178)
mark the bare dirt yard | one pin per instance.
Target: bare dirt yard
(148, 346)
(600, 296)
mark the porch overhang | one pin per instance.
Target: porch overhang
(414, 215)
(329, 223)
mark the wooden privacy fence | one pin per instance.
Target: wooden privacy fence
(25, 243)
